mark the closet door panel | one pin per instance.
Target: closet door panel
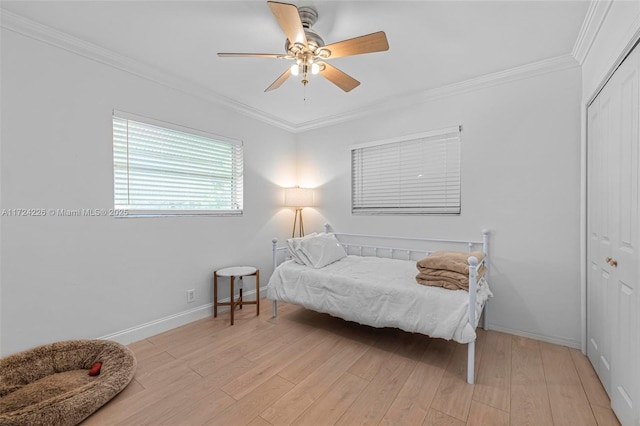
(608, 190)
(626, 334)
(595, 315)
(598, 242)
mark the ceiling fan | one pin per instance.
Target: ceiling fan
(307, 48)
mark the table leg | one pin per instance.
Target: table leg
(215, 294)
(258, 293)
(232, 299)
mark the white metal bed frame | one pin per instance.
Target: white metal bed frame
(473, 271)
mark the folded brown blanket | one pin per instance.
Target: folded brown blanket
(456, 261)
(447, 279)
(448, 269)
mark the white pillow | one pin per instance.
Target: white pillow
(322, 250)
(294, 249)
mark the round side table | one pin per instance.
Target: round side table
(232, 273)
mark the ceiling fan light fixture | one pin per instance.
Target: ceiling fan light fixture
(304, 46)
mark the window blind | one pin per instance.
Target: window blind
(417, 174)
(165, 169)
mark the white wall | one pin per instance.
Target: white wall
(520, 179)
(86, 277)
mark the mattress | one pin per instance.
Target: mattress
(379, 292)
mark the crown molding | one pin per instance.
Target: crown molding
(53, 37)
(518, 73)
(596, 14)
(48, 35)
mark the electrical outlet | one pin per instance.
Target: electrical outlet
(191, 295)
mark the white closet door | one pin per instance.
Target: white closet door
(595, 328)
(600, 294)
(613, 243)
(625, 336)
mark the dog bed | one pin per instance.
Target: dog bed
(52, 385)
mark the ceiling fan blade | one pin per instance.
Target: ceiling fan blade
(283, 77)
(289, 20)
(376, 42)
(252, 55)
(337, 77)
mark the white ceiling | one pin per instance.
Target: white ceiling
(432, 44)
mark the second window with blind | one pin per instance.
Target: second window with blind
(415, 174)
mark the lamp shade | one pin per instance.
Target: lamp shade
(298, 197)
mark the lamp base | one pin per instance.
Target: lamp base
(298, 221)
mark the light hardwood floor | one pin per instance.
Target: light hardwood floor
(306, 368)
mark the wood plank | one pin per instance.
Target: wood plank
(144, 349)
(526, 362)
(569, 404)
(482, 415)
(605, 416)
(100, 416)
(454, 394)
(289, 407)
(210, 397)
(412, 403)
(116, 411)
(530, 405)
(436, 418)
(370, 363)
(186, 333)
(558, 365)
(286, 336)
(253, 378)
(529, 397)
(132, 388)
(259, 421)
(152, 363)
(251, 405)
(493, 379)
(302, 367)
(329, 407)
(163, 374)
(374, 401)
(189, 406)
(590, 381)
(223, 353)
(194, 349)
(480, 345)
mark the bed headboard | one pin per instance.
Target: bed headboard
(407, 248)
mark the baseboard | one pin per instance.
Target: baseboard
(161, 325)
(555, 340)
(170, 322)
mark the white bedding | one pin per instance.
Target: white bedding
(378, 292)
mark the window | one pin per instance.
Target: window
(164, 169)
(416, 174)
